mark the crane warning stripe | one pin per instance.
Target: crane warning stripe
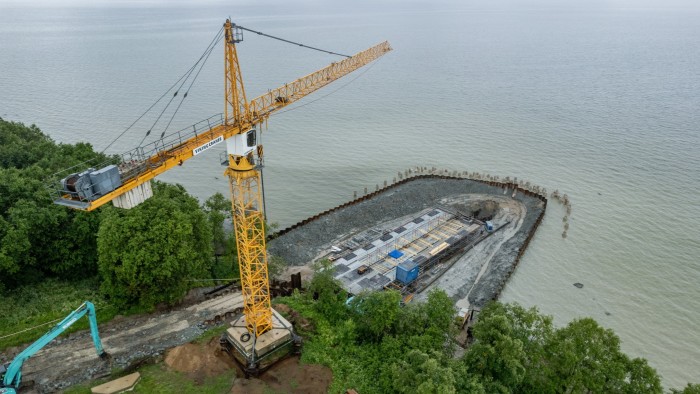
(206, 146)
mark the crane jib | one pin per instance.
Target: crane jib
(208, 145)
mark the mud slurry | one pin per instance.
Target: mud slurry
(478, 276)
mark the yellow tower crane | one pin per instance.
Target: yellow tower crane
(127, 184)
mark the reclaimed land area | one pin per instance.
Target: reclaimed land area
(476, 277)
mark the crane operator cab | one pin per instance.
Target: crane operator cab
(242, 149)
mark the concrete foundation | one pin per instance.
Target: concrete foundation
(257, 354)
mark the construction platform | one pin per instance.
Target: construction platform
(378, 259)
(256, 354)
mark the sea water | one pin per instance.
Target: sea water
(598, 99)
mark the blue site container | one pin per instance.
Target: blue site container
(489, 226)
(407, 272)
(395, 254)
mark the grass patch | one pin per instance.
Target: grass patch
(52, 299)
(158, 378)
(211, 333)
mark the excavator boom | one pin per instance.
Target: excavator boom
(12, 374)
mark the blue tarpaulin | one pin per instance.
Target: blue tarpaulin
(395, 254)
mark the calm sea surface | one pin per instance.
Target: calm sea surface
(598, 100)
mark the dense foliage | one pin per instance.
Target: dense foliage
(157, 245)
(148, 253)
(375, 345)
(518, 350)
(218, 211)
(38, 238)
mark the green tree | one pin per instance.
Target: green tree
(330, 296)
(377, 313)
(584, 357)
(429, 326)
(419, 372)
(218, 210)
(38, 238)
(517, 350)
(533, 330)
(147, 254)
(497, 357)
(21, 146)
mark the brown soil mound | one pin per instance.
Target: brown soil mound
(287, 376)
(199, 360)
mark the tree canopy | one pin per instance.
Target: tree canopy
(375, 345)
(218, 210)
(147, 253)
(38, 238)
(156, 244)
(518, 350)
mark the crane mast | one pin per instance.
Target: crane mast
(246, 197)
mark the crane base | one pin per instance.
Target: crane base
(255, 355)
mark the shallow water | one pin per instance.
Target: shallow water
(598, 100)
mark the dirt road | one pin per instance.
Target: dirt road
(71, 360)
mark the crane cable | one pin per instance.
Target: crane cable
(188, 89)
(188, 72)
(31, 328)
(205, 55)
(144, 113)
(183, 79)
(287, 41)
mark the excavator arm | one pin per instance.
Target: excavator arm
(12, 374)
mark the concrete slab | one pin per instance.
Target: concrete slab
(125, 383)
(267, 346)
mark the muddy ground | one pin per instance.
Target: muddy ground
(477, 277)
(200, 361)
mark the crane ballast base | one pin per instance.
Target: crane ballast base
(270, 347)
